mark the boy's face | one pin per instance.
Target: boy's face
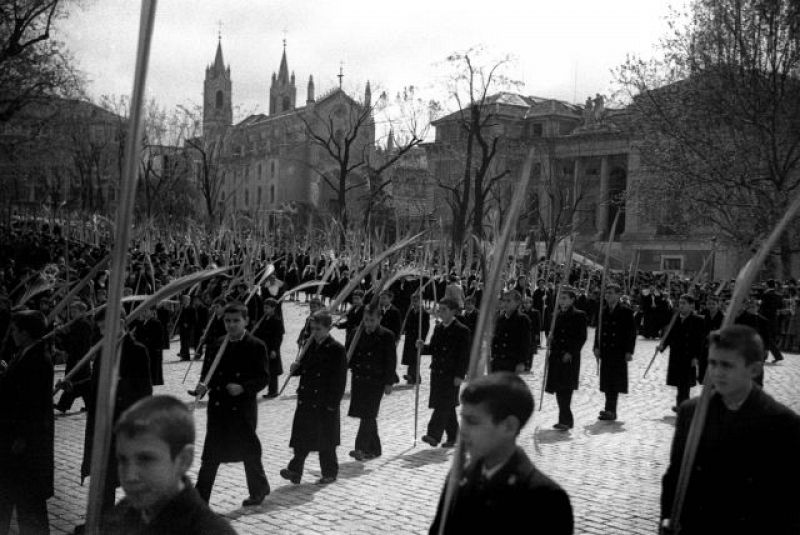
(357, 300)
(371, 322)
(148, 473)
(481, 435)
(729, 373)
(446, 313)
(235, 324)
(469, 306)
(385, 300)
(685, 307)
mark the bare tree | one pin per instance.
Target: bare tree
(206, 152)
(717, 117)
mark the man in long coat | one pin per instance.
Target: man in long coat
(686, 343)
(26, 427)
(712, 321)
(449, 350)
(564, 361)
(352, 317)
(242, 372)
(271, 331)
(316, 424)
(412, 332)
(391, 317)
(76, 341)
(512, 336)
(373, 364)
(187, 324)
(614, 343)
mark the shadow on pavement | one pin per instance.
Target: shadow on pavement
(551, 436)
(403, 387)
(423, 457)
(668, 419)
(604, 427)
(294, 396)
(286, 497)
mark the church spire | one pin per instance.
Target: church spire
(283, 70)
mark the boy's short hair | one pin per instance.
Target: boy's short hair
(614, 286)
(358, 293)
(322, 317)
(570, 291)
(373, 310)
(315, 301)
(164, 416)
(450, 303)
(270, 302)
(514, 295)
(390, 293)
(469, 299)
(504, 395)
(742, 339)
(32, 322)
(689, 298)
(235, 307)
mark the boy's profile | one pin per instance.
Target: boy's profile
(500, 485)
(154, 450)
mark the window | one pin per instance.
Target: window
(219, 99)
(246, 197)
(260, 176)
(287, 104)
(672, 262)
(537, 129)
(272, 169)
(272, 193)
(259, 195)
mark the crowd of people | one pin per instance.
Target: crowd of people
(235, 324)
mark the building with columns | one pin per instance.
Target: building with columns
(266, 164)
(586, 157)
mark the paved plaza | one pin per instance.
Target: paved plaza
(612, 471)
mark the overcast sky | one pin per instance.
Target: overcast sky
(564, 48)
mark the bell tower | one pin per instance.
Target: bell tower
(217, 94)
(282, 91)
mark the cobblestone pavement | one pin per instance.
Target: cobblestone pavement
(612, 471)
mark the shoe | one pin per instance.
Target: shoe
(270, 396)
(432, 442)
(80, 529)
(407, 378)
(675, 408)
(562, 427)
(325, 480)
(192, 393)
(370, 456)
(255, 500)
(449, 444)
(291, 475)
(358, 455)
(776, 360)
(607, 416)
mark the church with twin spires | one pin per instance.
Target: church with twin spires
(267, 164)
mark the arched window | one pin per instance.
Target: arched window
(272, 169)
(259, 195)
(272, 193)
(219, 99)
(246, 197)
(287, 103)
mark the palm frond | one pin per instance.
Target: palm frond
(77, 288)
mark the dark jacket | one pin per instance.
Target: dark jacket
(185, 514)
(686, 342)
(449, 350)
(737, 486)
(618, 333)
(323, 375)
(512, 339)
(271, 331)
(150, 334)
(232, 420)
(392, 319)
(351, 322)
(569, 336)
(373, 364)
(412, 333)
(504, 503)
(27, 417)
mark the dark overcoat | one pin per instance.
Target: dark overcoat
(733, 490)
(569, 336)
(351, 322)
(373, 364)
(449, 350)
(392, 319)
(511, 343)
(150, 334)
(504, 503)
(232, 420)
(412, 333)
(271, 332)
(323, 375)
(26, 395)
(618, 333)
(686, 342)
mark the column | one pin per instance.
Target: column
(577, 172)
(601, 214)
(545, 181)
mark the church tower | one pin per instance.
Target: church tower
(217, 95)
(282, 91)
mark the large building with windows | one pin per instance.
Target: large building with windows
(584, 154)
(266, 164)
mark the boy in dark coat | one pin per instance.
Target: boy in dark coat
(614, 343)
(512, 336)
(373, 364)
(736, 487)
(500, 485)
(26, 427)
(391, 317)
(449, 350)
(316, 425)
(352, 317)
(412, 333)
(159, 498)
(270, 331)
(564, 361)
(686, 343)
(242, 372)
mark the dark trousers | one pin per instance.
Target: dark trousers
(273, 384)
(443, 421)
(611, 401)
(328, 462)
(411, 371)
(367, 439)
(185, 334)
(683, 394)
(564, 399)
(31, 512)
(68, 398)
(257, 483)
(503, 365)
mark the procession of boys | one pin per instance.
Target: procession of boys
(330, 350)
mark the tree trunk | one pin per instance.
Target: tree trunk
(786, 255)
